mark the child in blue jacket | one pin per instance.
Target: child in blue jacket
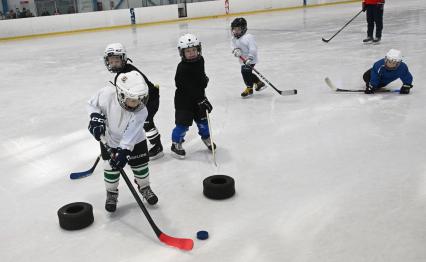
(387, 70)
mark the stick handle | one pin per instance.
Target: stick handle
(211, 138)
(353, 18)
(133, 191)
(261, 76)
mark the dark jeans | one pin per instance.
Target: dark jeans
(375, 16)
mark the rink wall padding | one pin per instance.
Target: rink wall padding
(107, 20)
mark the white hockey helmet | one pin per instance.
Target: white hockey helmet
(393, 57)
(187, 41)
(132, 86)
(115, 49)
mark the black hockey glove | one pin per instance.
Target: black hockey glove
(369, 89)
(120, 159)
(405, 89)
(364, 7)
(97, 125)
(205, 105)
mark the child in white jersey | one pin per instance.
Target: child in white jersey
(118, 113)
(244, 45)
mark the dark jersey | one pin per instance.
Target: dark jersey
(191, 82)
(381, 76)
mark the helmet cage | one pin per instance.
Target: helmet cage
(112, 69)
(123, 95)
(118, 50)
(188, 41)
(239, 23)
(131, 85)
(182, 53)
(393, 57)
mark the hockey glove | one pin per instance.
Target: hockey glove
(120, 159)
(236, 52)
(369, 89)
(249, 61)
(205, 105)
(364, 7)
(405, 89)
(97, 125)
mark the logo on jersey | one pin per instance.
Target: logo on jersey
(124, 79)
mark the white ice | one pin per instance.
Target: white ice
(319, 176)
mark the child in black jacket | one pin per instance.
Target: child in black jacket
(115, 58)
(190, 100)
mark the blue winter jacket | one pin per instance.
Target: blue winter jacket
(381, 76)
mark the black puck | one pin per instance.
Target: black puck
(202, 235)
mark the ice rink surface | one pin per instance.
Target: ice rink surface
(320, 176)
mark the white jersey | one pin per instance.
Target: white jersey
(123, 128)
(248, 47)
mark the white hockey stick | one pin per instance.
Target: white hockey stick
(211, 138)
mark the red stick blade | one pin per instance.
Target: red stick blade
(181, 243)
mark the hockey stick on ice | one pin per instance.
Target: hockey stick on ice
(283, 93)
(334, 88)
(181, 243)
(78, 175)
(328, 40)
(211, 138)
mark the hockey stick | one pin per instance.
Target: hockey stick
(211, 138)
(181, 243)
(283, 93)
(334, 88)
(78, 175)
(328, 40)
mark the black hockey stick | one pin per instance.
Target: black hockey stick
(78, 175)
(181, 243)
(283, 93)
(328, 40)
(334, 88)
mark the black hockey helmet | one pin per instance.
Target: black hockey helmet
(242, 24)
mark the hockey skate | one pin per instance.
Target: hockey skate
(156, 152)
(111, 201)
(208, 143)
(247, 92)
(149, 196)
(178, 150)
(368, 39)
(376, 40)
(259, 86)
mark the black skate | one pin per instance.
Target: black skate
(111, 201)
(149, 196)
(178, 150)
(376, 40)
(208, 143)
(368, 39)
(156, 152)
(259, 86)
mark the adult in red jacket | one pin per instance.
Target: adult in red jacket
(374, 10)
